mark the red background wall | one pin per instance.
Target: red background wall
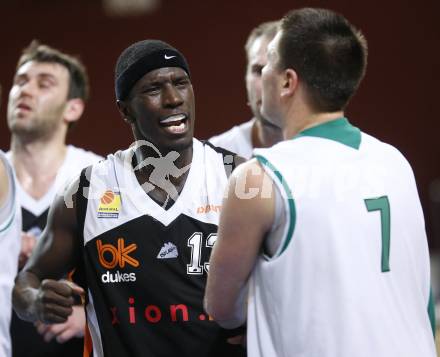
(396, 101)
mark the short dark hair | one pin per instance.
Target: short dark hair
(328, 53)
(78, 81)
(267, 29)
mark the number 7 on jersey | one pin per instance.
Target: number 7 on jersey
(382, 204)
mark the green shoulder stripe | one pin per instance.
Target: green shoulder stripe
(8, 223)
(290, 201)
(339, 130)
(431, 311)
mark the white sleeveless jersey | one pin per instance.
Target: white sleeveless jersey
(10, 229)
(26, 341)
(35, 211)
(351, 277)
(238, 139)
(145, 266)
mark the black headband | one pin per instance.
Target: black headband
(152, 54)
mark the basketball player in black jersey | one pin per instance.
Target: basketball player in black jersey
(141, 250)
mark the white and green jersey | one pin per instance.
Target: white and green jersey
(238, 139)
(10, 242)
(351, 276)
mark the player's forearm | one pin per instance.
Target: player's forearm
(4, 184)
(228, 314)
(238, 314)
(24, 295)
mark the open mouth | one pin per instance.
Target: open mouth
(175, 124)
(23, 106)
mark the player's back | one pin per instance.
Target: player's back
(351, 277)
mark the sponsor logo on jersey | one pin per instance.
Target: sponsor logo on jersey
(209, 208)
(139, 312)
(168, 251)
(118, 277)
(120, 256)
(109, 205)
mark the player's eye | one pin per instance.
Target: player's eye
(20, 81)
(151, 90)
(181, 82)
(44, 84)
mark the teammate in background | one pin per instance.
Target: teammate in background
(141, 254)
(332, 241)
(257, 132)
(10, 229)
(47, 97)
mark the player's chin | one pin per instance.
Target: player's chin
(180, 144)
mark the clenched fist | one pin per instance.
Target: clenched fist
(55, 300)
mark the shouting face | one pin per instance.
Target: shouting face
(161, 108)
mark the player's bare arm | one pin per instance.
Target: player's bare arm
(37, 294)
(243, 226)
(4, 183)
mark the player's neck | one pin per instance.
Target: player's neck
(264, 135)
(255, 137)
(37, 162)
(152, 167)
(303, 118)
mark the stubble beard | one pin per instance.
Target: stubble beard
(34, 130)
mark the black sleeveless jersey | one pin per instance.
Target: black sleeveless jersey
(145, 266)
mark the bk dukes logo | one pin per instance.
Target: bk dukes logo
(111, 257)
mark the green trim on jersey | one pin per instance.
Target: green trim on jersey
(8, 223)
(290, 202)
(431, 311)
(339, 130)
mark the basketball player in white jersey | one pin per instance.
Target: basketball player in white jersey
(332, 240)
(10, 230)
(48, 95)
(257, 132)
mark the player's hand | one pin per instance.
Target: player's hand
(55, 300)
(73, 327)
(28, 242)
(237, 340)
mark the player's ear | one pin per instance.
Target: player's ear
(124, 111)
(74, 110)
(289, 83)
